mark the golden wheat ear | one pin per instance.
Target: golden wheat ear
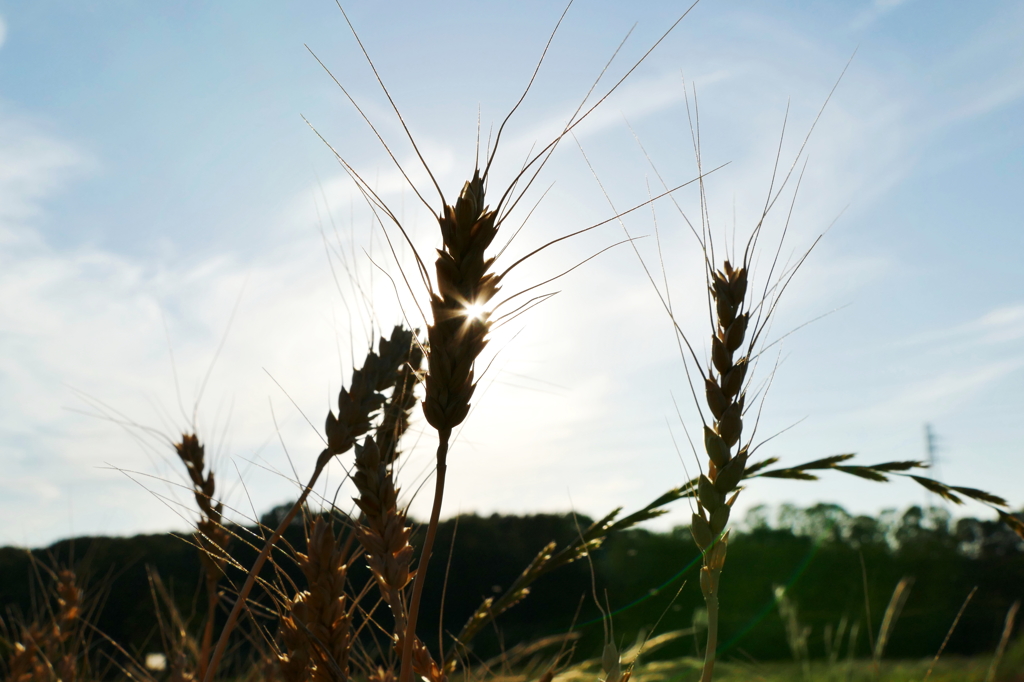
(398, 409)
(360, 402)
(384, 534)
(382, 531)
(317, 625)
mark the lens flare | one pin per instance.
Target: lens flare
(475, 311)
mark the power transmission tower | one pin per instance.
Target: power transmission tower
(931, 445)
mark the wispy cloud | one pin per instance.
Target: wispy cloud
(876, 11)
(1000, 325)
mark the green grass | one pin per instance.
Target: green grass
(947, 670)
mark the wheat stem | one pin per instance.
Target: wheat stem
(711, 601)
(405, 672)
(212, 601)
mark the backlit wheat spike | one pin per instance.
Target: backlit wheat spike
(358, 403)
(398, 410)
(45, 650)
(294, 662)
(464, 287)
(318, 630)
(724, 392)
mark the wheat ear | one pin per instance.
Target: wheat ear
(716, 491)
(317, 627)
(357, 407)
(465, 284)
(211, 537)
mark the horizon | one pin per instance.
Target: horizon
(777, 517)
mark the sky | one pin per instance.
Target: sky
(180, 247)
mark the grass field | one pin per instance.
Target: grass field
(947, 670)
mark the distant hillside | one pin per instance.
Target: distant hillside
(816, 552)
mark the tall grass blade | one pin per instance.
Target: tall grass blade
(1011, 616)
(949, 633)
(892, 614)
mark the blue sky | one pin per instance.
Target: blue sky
(156, 175)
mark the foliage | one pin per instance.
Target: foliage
(815, 552)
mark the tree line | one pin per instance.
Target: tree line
(833, 565)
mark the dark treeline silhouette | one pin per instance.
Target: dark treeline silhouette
(822, 555)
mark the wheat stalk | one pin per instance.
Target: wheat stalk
(725, 396)
(211, 537)
(177, 642)
(465, 285)
(1004, 638)
(725, 386)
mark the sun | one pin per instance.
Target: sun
(474, 311)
